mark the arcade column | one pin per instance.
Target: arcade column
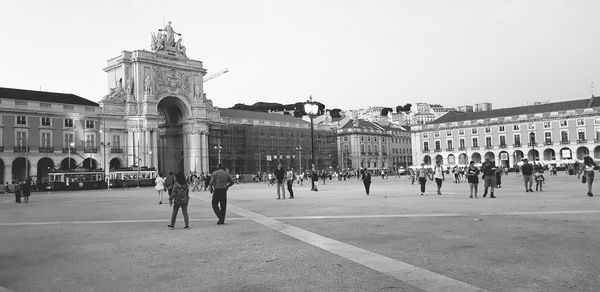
(8, 172)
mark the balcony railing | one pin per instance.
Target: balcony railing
(597, 140)
(46, 149)
(489, 146)
(532, 144)
(383, 153)
(565, 142)
(475, 148)
(438, 150)
(1, 148)
(502, 145)
(462, 148)
(582, 141)
(449, 149)
(517, 145)
(425, 150)
(120, 150)
(66, 150)
(90, 150)
(20, 149)
(548, 142)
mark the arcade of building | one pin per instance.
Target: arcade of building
(557, 133)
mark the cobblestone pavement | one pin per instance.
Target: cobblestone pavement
(336, 239)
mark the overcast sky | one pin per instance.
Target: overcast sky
(348, 54)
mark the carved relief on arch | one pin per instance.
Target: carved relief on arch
(170, 81)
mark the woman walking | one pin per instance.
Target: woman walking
(438, 175)
(367, 181)
(472, 178)
(423, 175)
(588, 173)
(159, 187)
(26, 190)
(180, 198)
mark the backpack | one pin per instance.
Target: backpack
(180, 194)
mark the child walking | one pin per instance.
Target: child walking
(539, 179)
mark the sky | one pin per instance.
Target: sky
(347, 54)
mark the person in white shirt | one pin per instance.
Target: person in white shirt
(438, 175)
(159, 186)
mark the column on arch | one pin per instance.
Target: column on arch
(130, 147)
(154, 138)
(204, 151)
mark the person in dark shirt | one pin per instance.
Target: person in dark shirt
(367, 182)
(527, 171)
(488, 168)
(280, 178)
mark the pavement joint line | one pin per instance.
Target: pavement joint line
(413, 275)
(314, 217)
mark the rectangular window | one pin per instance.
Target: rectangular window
(488, 141)
(425, 135)
(531, 126)
(502, 141)
(436, 134)
(69, 140)
(488, 130)
(449, 142)
(46, 121)
(597, 139)
(580, 122)
(46, 142)
(547, 138)
(517, 140)
(369, 139)
(375, 139)
(461, 132)
(437, 145)
(425, 146)
(475, 142)
(448, 133)
(501, 129)
(597, 121)
(345, 138)
(474, 131)
(581, 134)
(68, 123)
(89, 140)
(21, 139)
(516, 128)
(547, 125)
(21, 120)
(362, 138)
(89, 124)
(564, 136)
(461, 142)
(563, 123)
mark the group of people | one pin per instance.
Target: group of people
(22, 190)
(178, 188)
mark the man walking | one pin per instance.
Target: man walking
(290, 181)
(280, 177)
(488, 168)
(527, 171)
(220, 181)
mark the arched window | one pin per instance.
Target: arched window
(369, 148)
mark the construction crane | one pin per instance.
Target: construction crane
(212, 76)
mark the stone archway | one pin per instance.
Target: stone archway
(44, 166)
(115, 163)
(2, 172)
(566, 153)
(518, 156)
(549, 154)
(582, 152)
(463, 159)
(451, 159)
(427, 160)
(504, 159)
(172, 111)
(439, 158)
(491, 155)
(68, 163)
(533, 155)
(20, 166)
(90, 163)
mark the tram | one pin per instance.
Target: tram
(75, 179)
(128, 177)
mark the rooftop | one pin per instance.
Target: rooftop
(252, 115)
(44, 96)
(456, 116)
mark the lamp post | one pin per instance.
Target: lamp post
(312, 109)
(70, 145)
(299, 149)
(532, 141)
(104, 144)
(218, 147)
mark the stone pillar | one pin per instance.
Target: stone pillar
(154, 162)
(147, 148)
(8, 172)
(130, 147)
(204, 151)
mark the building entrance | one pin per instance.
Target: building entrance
(172, 112)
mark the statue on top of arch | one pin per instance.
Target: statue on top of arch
(165, 41)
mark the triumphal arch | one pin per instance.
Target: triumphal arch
(159, 96)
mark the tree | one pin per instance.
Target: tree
(405, 108)
(385, 111)
(335, 113)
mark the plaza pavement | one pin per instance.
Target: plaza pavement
(337, 239)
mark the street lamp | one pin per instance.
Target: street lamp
(532, 141)
(312, 109)
(299, 149)
(218, 147)
(70, 145)
(104, 144)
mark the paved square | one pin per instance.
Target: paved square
(332, 240)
